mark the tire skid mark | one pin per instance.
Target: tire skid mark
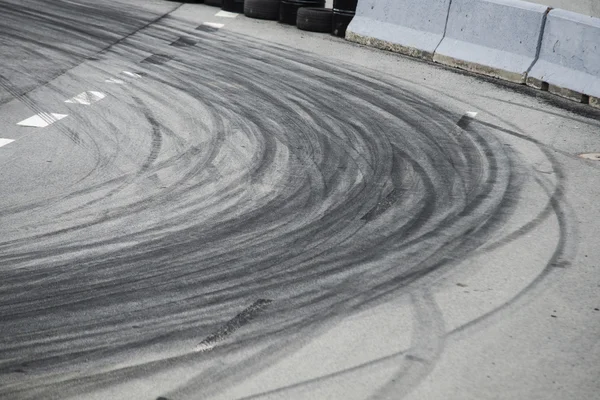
(564, 251)
(157, 59)
(156, 141)
(184, 42)
(233, 325)
(428, 344)
(329, 208)
(23, 98)
(58, 20)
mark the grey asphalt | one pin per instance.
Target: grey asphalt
(253, 211)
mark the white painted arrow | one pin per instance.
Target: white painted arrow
(42, 120)
(86, 98)
(4, 142)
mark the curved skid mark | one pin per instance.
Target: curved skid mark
(427, 345)
(268, 188)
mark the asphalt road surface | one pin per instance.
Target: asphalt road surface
(197, 206)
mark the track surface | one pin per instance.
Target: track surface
(228, 200)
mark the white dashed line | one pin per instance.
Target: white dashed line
(4, 142)
(113, 80)
(42, 120)
(132, 74)
(86, 98)
(226, 14)
(202, 347)
(213, 25)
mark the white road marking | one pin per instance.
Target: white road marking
(471, 114)
(113, 80)
(202, 347)
(86, 98)
(42, 120)
(4, 142)
(75, 3)
(213, 25)
(132, 74)
(226, 14)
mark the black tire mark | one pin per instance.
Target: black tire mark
(304, 239)
(61, 20)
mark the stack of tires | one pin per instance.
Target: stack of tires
(262, 9)
(288, 10)
(343, 12)
(216, 3)
(314, 19)
(308, 15)
(227, 5)
(233, 5)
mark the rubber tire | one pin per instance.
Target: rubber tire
(262, 9)
(216, 3)
(314, 19)
(340, 23)
(343, 12)
(236, 6)
(288, 10)
(345, 5)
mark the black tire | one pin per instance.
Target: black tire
(216, 3)
(233, 5)
(343, 12)
(262, 9)
(288, 9)
(314, 19)
(345, 5)
(340, 23)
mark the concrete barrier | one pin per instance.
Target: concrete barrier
(569, 60)
(499, 38)
(412, 27)
(586, 7)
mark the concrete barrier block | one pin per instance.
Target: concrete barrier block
(499, 38)
(411, 27)
(569, 59)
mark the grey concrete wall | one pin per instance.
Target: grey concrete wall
(586, 7)
(412, 27)
(569, 55)
(493, 37)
